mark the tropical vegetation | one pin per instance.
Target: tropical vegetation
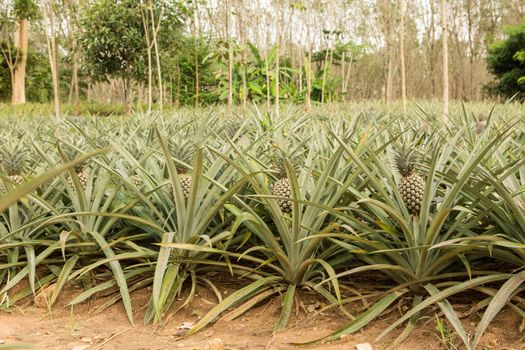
(281, 202)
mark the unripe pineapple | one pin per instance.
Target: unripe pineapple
(184, 153)
(80, 170)
(137, 181)
(281, 187)
(185, 183)
(481, 124)
(83, 177)
(13, 161)
(412, 185)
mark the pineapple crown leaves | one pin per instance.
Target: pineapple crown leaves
(13, 158)
(183, 152)
(72, 152)
(232, 126)
(405, 159)
(278, 157)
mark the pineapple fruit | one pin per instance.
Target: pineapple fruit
(137, 181)
(13, 161)
(481, 124)
(412, 185)
(183, 152)
(185, 182)
(80, 170)
(83, 176)
(281, 187)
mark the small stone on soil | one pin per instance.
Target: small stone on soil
(364, 346)
(215, 344)
(80, 347)
(185, 325)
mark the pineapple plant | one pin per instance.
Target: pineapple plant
(13, 161)
(412, 184)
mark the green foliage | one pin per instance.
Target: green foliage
(114, 42)
(506, 61)
(179, 67)
(114, 39)
(128, 224)
(26, 9)
(39, 85)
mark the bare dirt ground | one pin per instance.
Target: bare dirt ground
(83, 328)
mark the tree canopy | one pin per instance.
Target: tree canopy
(506, 60)
(114, 36)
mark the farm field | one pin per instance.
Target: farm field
(343, 225)
(262, 174)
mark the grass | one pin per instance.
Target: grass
(47, 109)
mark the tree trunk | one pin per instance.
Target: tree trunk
(145, 23)
(346, 80)
(323, 84)
(445, 60)
(309, 77)
(51, 46)
(155, 30)
(76, 86)
(242, 38)
(277, 62)
(390, 48)
(390, 70)
(127, 93)
(230, 59)
(21, 41)
(196, 31)
(402, 54)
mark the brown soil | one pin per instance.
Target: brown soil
(82, 327)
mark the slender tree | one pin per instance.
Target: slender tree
(195, 32)
(145, 22)
(74, 29)
(19, 13)
(155, 26)
(402, 55)
(445, 59)
(229, 42)
(277, 55)
(49, 13)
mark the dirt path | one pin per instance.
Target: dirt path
(81, 329)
